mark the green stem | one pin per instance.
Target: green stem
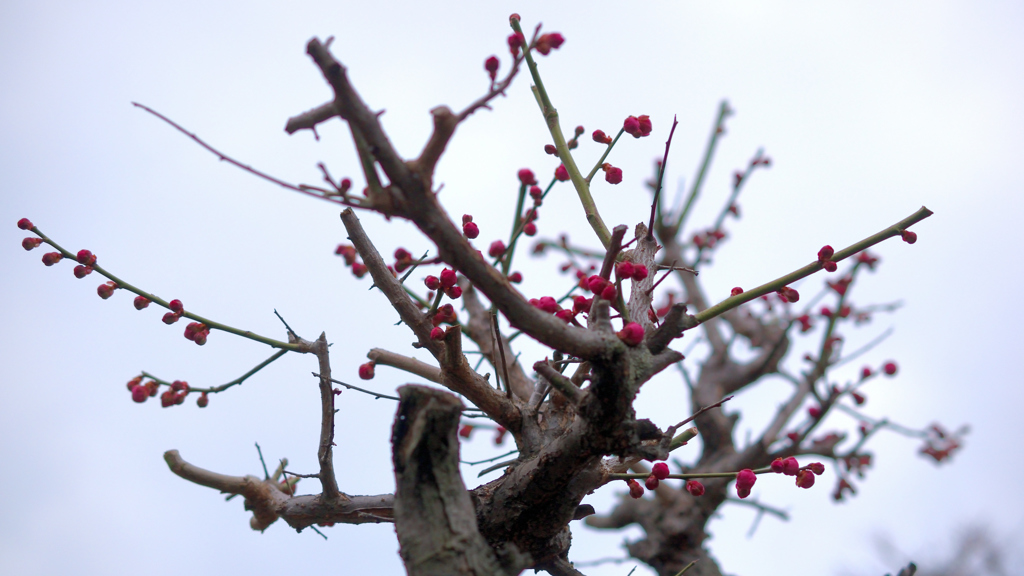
(605, 155)
(709, 152)
(223, 387)
(551, 118)
(630, 476)
(778, 283)
(517, 226)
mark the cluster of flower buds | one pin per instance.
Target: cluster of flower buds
(515, 42)
(197, 332)
(177, 310)
(499, 436)
(658, 473)
(548, 42)
(825, 258)
(708, 239)
(175, 394)
(141, 391)
(448, 283)
(804, 475)
(529, 228)
(744, 482)
(351, 259)
(637, 126)
(403, 260)
(599, 286)
(627, 270)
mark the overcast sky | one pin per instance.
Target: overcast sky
(868, 110)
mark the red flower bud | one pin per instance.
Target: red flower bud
(548, 42)
(660, 470)
(454, 292)
(139, 393)
(141, 302)
(25, 224)
(596, 284)
(858, 398)
(613, 175)
(432, 282)
(536, 193)
(639, 272)
(632, 126)
(437, 333)
(601, 138)
(624, 270)
(778, 466)
(499, 438)
(790, 466)
(515, 277)
(609, 292)
(366, 371)
(652, 482)
(865, 372)
(526, 177)
(815, 412)
(496, 249)
(448, 278)
(787, 294)
(358, 269)
(491, 65)
(550, 149)
(805, 479)
(645, 124)
(632, 334)
(514, 42)
(744, 482)
(581, 304)
(86, 257)
(825, 254)
(170, 318)
(179, 386)
(694, 488)
(889, 368)
(106, 290)
(82, 271)
(908, 236)
(465, 430)
(817, 467)
(192, 329)
(635, 490)
(564, 315)
(830, 266)
(167, 399)
(200, 338)
(203, 400)
(176, 306)
(530, 229)
(51, 258)
(736, 291)
(561, 174)
(30, 243)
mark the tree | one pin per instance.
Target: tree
(584, 435)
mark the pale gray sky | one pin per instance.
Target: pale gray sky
(868, 110)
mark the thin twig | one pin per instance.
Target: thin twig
(501, 352)
(266, 475)
(286, 326)
(661, 176)
(509, 453)
(375, 395)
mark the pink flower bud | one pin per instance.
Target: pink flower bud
(496, 249)
(491, 66)
(176, 306)
(632, 126)
(652, 482)
(437, 333)
(825, 254)
(624, 270)
(564, 315)
(830, 266)
(635, 490)
(141, 302)
(645, 124)
(805, 479)
(790, 466)
(660, 470)
(171, 318)
(31, 243)
(548, 42)
(454, 292)
(86, 257)
(778, 466)
(744, 482)
(192, 329)
(736, 291)
(514, 42)
(536, 193)
(82, 271)
(25, 224)
(550, 149)
(632, 334)
(167, 399)
(889, 368)
(530, 229)
(359, 269)
(432, 282)
(601, 138)
(51, 258)
(815, 412)
(448, 278)
(561, 174)
(106, 290)
(139, 393)
(203, 400)
(817, 467)
(613, 175)
(865, 372)
(858, 398)
(465, 430)
(609, 292)
(581, 304)
(515, 277)
(694, 488)
(526, 177)
(908, 236)
(366, 371)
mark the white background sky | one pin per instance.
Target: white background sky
(868, 109)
